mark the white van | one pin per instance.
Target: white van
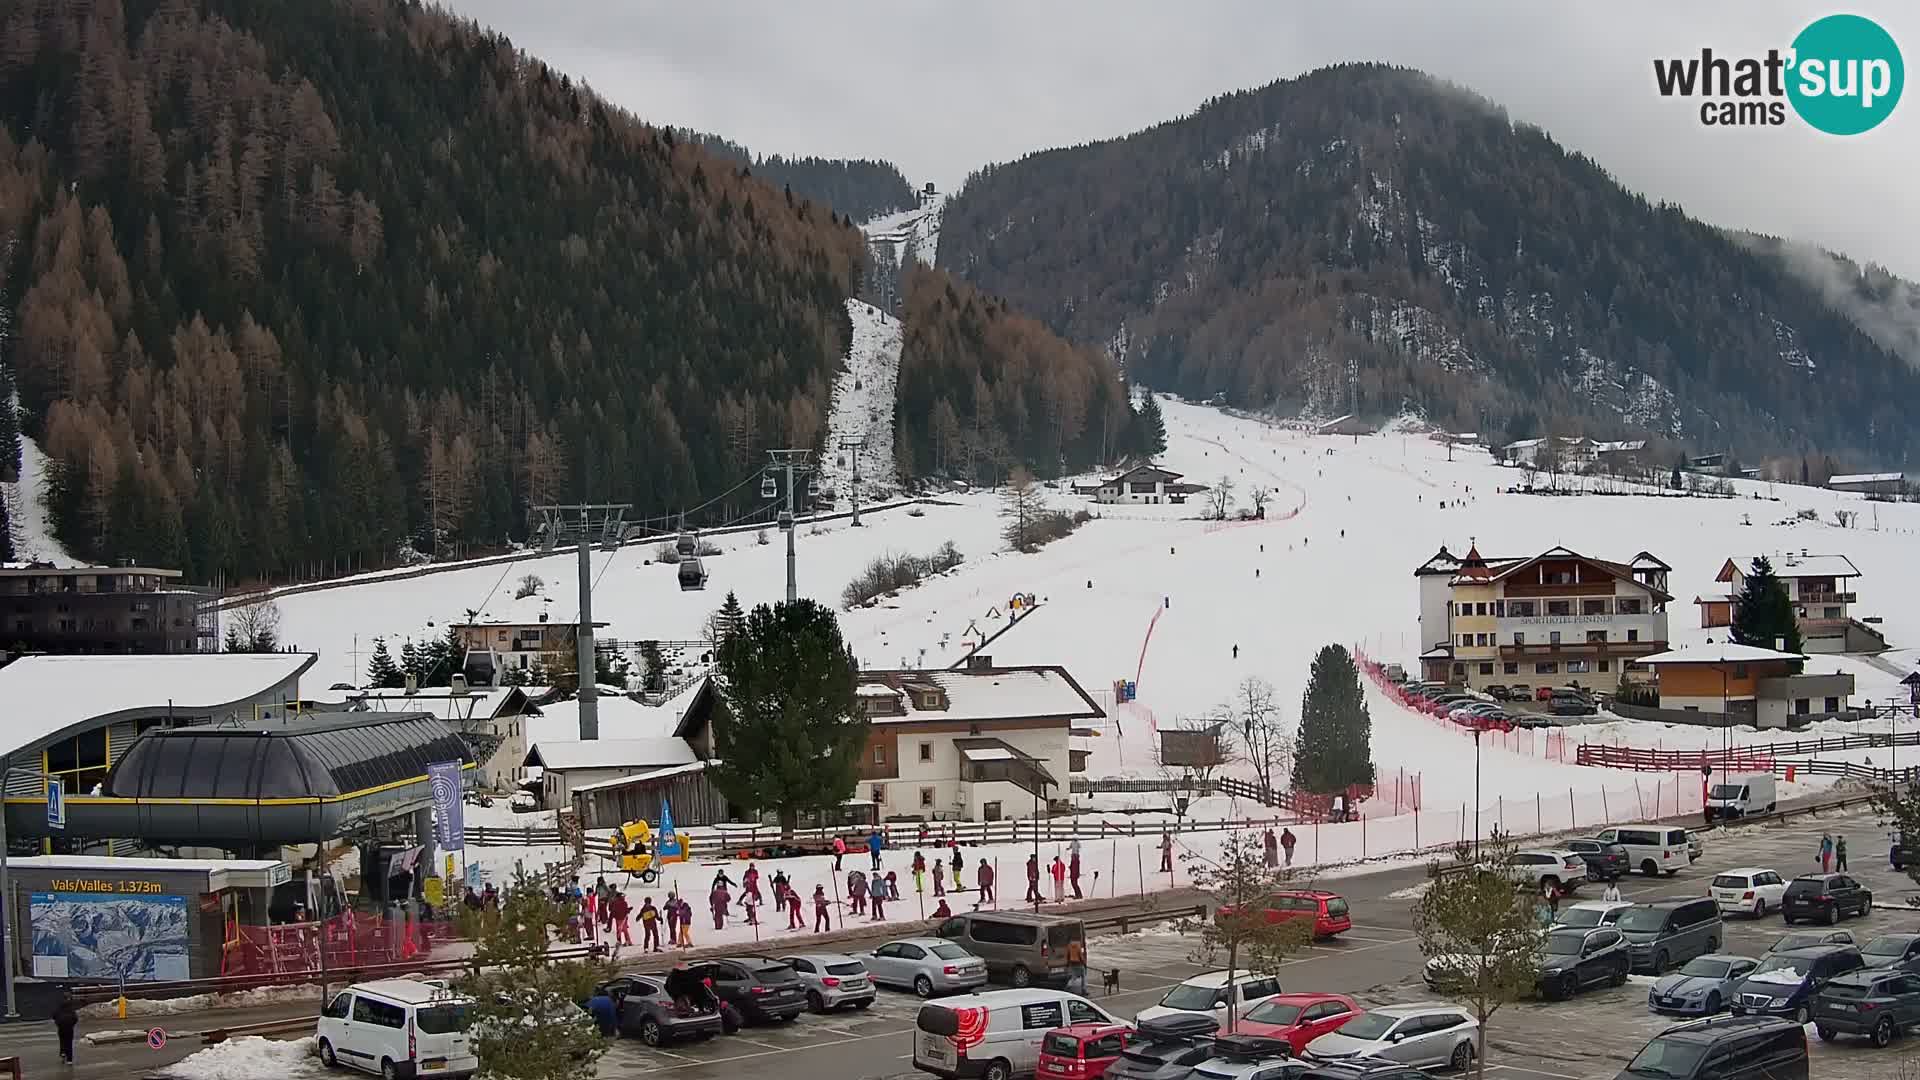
(398, 1028)
(1653, 849)
(995, 1035)
(1742, 796)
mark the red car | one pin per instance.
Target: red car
(1327, 910)
(1081, 1051)
(1297, 1018)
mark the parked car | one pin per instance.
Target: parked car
(1561, 704)
(1653, 849)
(1878, 1003)
(1562, 869)
(1361, 1070)
(1900, 951)
(927, 966)
(1249, 1057)
(995, 1034)
(395, 1027)
(1806, 939)
(1082, 1051)
(658, 1009)
(1605, 861)
(1723, 1048)
(761, 990)
(1499, 693)
(1208, 994)
(1166, 1048)
(1785, 982)
(1824, 898)
(1019, 947)
(1750, 890)
(1571, 960)
(1328, 910)
(1589, 914)
(832, 980)
(1446, 971)
(1668, 932)
(1742, 796)
(1424, 1034)
(1297, 1018)
(1702, 986)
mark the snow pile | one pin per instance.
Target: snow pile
(863, 405)
(33, 539)
(259, 997)
(912, 234)
(250, 1057)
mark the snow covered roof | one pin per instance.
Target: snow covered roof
(1623, 571)
(1143, 471)
(1443, 562)
(1023, 693)
(874, 689)
(621, 718)
(610, 753)
(1646, 560)
(1790, 565)
(1623, 445)
(221, 873)
(46, 695)
(640, 778)
(1727, 653)
(1867, 478)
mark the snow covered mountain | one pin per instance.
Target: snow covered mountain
(863, 407)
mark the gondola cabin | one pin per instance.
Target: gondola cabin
(693, 575)
(685, 544)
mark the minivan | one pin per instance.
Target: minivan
(1019, 947)
(398, 1028)
(1724, 1048)
(995, 1035)
(1668, 932)
(1653, 849)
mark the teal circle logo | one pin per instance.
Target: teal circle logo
(1847, 74)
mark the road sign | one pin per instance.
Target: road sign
(156, 1039)
(56, 804)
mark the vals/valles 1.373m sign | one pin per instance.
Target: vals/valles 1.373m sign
(1842, 75)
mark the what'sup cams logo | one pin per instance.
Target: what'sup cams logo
(1842, 75)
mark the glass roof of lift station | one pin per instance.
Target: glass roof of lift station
(308, 758)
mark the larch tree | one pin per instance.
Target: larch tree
(1480, 931)
(1022, 505)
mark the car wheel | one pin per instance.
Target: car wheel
(730, 1020)
(1760, 909)
(1021, 976)
(1801, 1016)
(1866, 908)
(327, 1056)
(997, 1069)
(1619, 977)
(1826, 1033)
(923, 986)
(1833, 914)
(650, 1032)
(388, 1070)
(1569, 986)
(1650, 868)
(1883, 1032)
(1713, 1003)
(1660, 962)
(815, 1002)
(1462, 1057)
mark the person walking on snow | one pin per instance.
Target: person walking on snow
(1166, 852)
(750, 882)
(65, 1019)
(1073, 866)
(874, 843)
(1059, 872)
(939, 878)
(649, 926)
(1270, 849)
(686, 923)
(893, 886)
(672, 912)
(751, 902)
(919, 872)
(795, 920)
(719, 900)
(1033, 879)
(618, 909)
(839, 852)
(1840, 854)
(959, 868)
(1826, 852)
(857, 892)
(821, 921)
(877, 899)
(1287, 840)
(984, 876)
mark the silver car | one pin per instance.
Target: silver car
(833, 980)
(1702, 987)
(1423, 1035)
(925, 965)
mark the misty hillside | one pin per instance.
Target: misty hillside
(1367, 239)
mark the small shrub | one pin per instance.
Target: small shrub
(761, 538)
(666, 553)
(704, 548)
(1055, 524)
(891, 573)
(530, 585)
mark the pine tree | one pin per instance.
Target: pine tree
(9, 416)
(731, 616)
(382, 672)
(786, 732)
(1762, 614)
(1152, 428)
(1335, 748)
(6, 528)
(411, 664)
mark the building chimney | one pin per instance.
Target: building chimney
(978, 660)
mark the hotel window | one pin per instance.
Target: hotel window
(1500, 608)
(1593, 607)
(879, 794)
(1627, 605)
(926, 751)
(1479, 609)
(1546, 667)
(1576, 667)
(1606, 665)
(1830, 613)
(1519, 638)
(1553, 637)
(1521, 609)
(1802, 706)
(1559, 607)
(1486, 669)
(926, 796)
(1466, 639)
(1511, 669)
(1833, 704)
(1739, 671)
(1633, 635)
(879, 754)
(1480, 639)
(1597, 635)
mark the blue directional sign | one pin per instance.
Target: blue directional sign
(56, 804)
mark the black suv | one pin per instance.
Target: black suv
(1875, 1002)
(1605, 862)
(1166, 1048)
(1723, 1048)
(1785, 982)
(1573, 959)
(1826, 898)
(759, 989)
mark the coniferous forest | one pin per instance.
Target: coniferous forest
(292, 285)
(859, 188)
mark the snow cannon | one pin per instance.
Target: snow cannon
(634, 851)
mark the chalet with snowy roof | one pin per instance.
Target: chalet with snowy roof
(515, 635)
(1145, 484)
(1344, 425)
(1554, 619)
(1886, 485)
(1749, 685)
(979, 742)
(1821, 589)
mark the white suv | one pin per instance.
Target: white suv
(1754, 890)
(398, 1027)
(1564, 870)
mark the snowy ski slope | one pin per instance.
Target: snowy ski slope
(863, 405)
(1102, 588)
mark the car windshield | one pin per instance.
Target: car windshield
(1580, 917)
(1730, 881)
(1368, 1026)
(1782, 969)
(1564, 944)
(1274, 1012)
(1336, 906)
(443, 1019)
(1669, 1058)
(1806, 886)
(1061, 1045)
(951, 952)
(1727, 791)
(1796, 941)
(1190, 997)
(1642, 918)
(855, 968)
(1892, 948)
(1707, 968)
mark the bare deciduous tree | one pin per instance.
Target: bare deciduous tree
(1266, 741)
(1260, 495)
(1220, 499)
(1022, 505)
(253, 627)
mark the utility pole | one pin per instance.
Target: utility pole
(585, 523)
(854, 444)
(790, 462)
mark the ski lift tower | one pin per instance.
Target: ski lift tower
(585, 524)
(790, 462)
(853, 444)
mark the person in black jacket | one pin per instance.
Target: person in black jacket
(65, 1018)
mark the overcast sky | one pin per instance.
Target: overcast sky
(943, 88)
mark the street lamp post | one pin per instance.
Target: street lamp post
(1476, 792)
